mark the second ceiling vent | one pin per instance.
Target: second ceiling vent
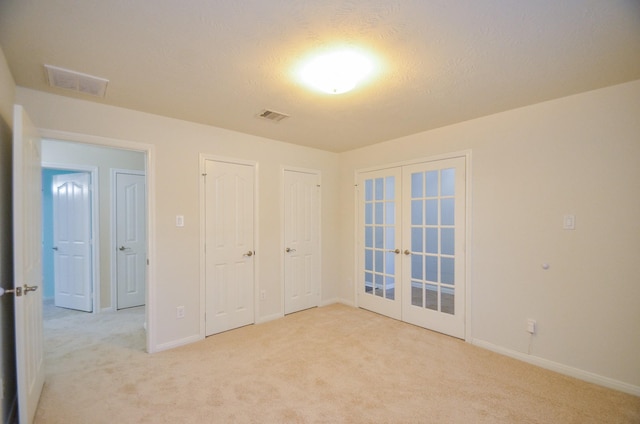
(76, 81)
(272, 115)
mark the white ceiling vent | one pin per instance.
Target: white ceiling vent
(272, 115)
(71, 80)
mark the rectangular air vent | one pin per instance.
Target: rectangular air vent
(272, 115)
(76, 81)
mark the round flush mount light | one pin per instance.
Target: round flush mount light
(337, 71)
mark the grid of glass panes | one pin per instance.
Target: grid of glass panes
(379, 237)
(433, 240)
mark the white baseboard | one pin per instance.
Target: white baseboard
(560, 368)
(108, 309)
(176, 343)
(268, 318)
(337, 300)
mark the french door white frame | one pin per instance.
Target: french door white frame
(149, 151)
(203, 218)
(95, 219)
(468, 254)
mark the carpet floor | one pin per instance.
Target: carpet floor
(334, 364)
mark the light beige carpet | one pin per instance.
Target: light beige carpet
(327, 365)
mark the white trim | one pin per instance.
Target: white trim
(203, 157)
(95, 225)
(337, 300)
(113, 172)
(318, 174)
(150, 156)
(560, 368)
(452, 155)
(107, 309)
(178, 343)
(268, 318)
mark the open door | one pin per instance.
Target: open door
(27, 240)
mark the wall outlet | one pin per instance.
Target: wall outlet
(531, 326)
(263, 294)
(180, 312)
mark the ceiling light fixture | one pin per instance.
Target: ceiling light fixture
(336, 72)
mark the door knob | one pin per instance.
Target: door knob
(55, 247)
(396, 251)
(17, 291)
(249, 253)
(122, 248)
(288, 250)
(407, 252)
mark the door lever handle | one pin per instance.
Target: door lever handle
(122, 248)
(27, 289)
(289, 250)
(249, 253)
(55, 247)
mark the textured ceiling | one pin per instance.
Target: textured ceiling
(223, 62)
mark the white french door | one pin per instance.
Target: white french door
(380, 231)
(301, 240)
(412, 244)
(229, 245)
(72, 241)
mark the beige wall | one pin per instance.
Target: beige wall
(177, 146)
(57, 153)
(530, 166)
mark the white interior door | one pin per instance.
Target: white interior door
(434, 232)
(411, 244)
(229, 245)
(380, 242)
(27, 239)
(302, 240)
(131, 239)
(72, 241)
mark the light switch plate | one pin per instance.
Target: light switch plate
(569, 222)
(179, 220)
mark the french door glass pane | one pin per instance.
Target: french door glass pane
(433, 240)
(379, 236)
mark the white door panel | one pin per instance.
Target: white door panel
(131, 239)
(27, 239)
(379, 242)
(434, 232)
(72, 241)
(302, 240)
(229, 244)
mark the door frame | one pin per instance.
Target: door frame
(149, 151)
(468, 228)
(203, 157)
(318, 173)
(95, 219)
(112, 230)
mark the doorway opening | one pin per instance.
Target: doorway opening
(81, 156)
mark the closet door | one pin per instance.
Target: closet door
(379, 242)
(433, 231)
